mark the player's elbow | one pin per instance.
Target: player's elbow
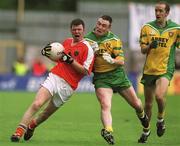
(143, 52)
(85, 72)
(144, 49)
(82, 71)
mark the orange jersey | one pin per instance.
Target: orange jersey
(83, 54)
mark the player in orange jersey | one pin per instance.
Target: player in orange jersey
(76, 62)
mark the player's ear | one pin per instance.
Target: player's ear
(167, 13)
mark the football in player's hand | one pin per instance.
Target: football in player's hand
(53, 51)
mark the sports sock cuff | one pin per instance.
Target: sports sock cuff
(21, 129)
(146, 133)
(140, 114)
(109, 128)
(160, 120)
(146, 129)
(161, 115)
(23, 126)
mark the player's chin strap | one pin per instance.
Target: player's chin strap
(67, 58)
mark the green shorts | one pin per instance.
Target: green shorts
(150, 80)
(116, 79)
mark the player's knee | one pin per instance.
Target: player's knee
(105, 106)
(159, 99)
(159, 95)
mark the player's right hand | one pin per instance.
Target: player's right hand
(153, 45)
(46, 50)
(95, 47)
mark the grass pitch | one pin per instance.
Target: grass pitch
(77, 123)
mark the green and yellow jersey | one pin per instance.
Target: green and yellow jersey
(109, 43)
(162, 59)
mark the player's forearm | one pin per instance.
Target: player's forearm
(118, 62)
(145, 50)
(79, 68)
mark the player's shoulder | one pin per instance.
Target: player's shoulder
(111, 37)
(90, 37)
(149, 24)
(152, 24)
(173, 25)
(87, 44)
(114, 36)
(67, 40)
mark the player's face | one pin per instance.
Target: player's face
(160, 13)
(102, 27)
(77, 32)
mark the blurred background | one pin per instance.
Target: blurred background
(26, 26)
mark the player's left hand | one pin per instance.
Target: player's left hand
(108, 58)
(153, 45)
(67, 58)
(46, 50)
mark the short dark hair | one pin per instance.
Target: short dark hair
(77, 21)
(167, 6)
(107, 17)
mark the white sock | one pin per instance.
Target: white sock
(160, 120)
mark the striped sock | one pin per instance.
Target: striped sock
(161, 115)
(20, 130)
(140, 114)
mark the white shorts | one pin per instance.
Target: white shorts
(59, 89)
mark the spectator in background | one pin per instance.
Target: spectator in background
(39, 68)
(19, 67)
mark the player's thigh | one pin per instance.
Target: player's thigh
(161, 87)
(149, 92)
(130, 96)
(42, 96)
(104, 95)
